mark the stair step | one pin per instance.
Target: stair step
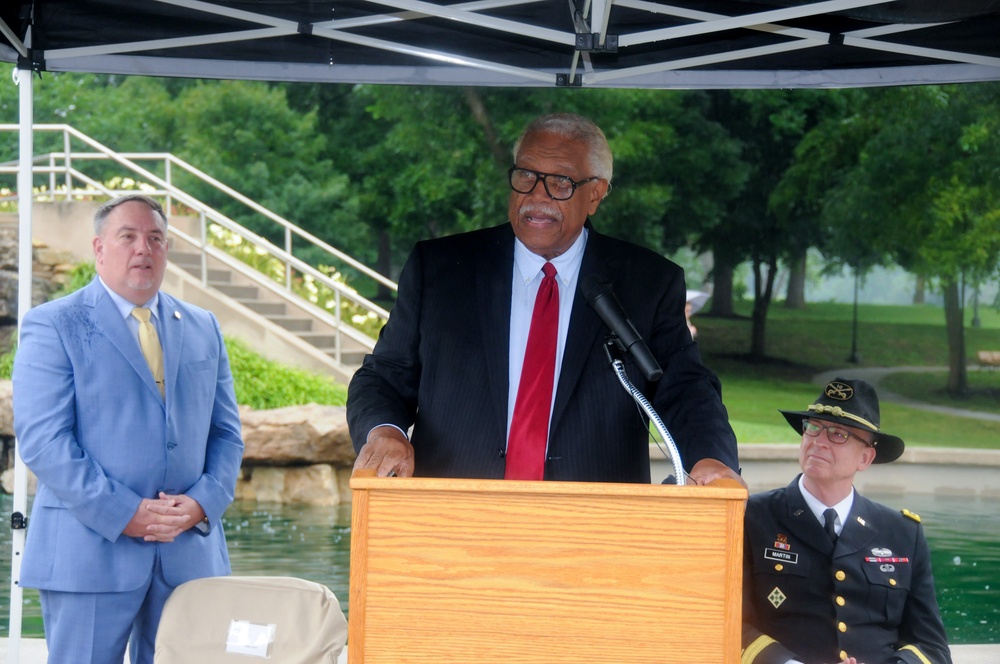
(327, 342)
(349, 357)
(320, 339)
(293, 323)
(351, 354)
(236, 292)
(185, 258)
(264, 308)
(214, 276)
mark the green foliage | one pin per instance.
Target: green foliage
(929, 386)
(7, 362)
(910, 174)
(818, 339)
(261, 383)
(79, 276)
(245, 134)
(754, 402)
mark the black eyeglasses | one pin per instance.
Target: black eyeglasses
(558, 187)
(834, 433)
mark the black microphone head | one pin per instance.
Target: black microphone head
(594, 286)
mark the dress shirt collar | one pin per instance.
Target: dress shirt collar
(817, 507)
(125, 307)
(529, 265)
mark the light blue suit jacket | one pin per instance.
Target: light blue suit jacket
(91, 425)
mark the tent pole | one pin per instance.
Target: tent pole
(25, 201)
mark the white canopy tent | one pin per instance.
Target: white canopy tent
(594, 43)
(520, 43)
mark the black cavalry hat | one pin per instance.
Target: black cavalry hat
(852, 403)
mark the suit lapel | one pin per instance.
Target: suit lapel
(106, 317)
(171, 336)
(859, 531)
(585, 327)
(493, 292)
(799, 519)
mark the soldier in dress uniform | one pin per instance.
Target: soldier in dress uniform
(830, 576)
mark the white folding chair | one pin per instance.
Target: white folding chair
(239, 618)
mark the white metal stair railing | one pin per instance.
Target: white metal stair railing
(66, 178)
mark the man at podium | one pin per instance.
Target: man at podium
(830, 576)
(495, 355)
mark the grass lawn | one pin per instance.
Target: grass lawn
(804, 343)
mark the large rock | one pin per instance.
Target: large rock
(297, 435)
(6, 408)
(320, 484)
(49, 272)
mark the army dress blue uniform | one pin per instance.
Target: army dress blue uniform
(870, 595)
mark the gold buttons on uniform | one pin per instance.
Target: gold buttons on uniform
(840, 602)
(842, 627)
(779, 567)
(843, 655)
(892, 582)
(840, 575)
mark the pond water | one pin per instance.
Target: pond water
(314, 543)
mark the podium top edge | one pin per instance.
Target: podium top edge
(728, 490)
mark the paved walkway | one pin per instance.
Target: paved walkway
(874, 375)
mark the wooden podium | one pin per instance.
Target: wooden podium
(481, 571)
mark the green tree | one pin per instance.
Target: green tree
(246, 135)
(128, 114)
(923, 190)
(769, 125)
(242, 133)
(426, 162)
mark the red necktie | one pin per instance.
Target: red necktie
(529, 428)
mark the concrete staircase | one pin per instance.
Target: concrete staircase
(269, 316)
(275, 323)
(294, 318)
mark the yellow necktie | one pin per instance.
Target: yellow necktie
(150, 344)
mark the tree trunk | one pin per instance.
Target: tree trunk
(958, 379)
(763, 290)
(795, 297)
(482, 117)
(722, 290)
(919, 290)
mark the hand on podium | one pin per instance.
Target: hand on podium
(387, 452)
(710, 470)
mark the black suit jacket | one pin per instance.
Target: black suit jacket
(441, 365)
(870, 595)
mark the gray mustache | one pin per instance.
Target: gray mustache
(533, 209)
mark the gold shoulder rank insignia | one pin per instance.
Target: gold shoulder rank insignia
(911, 515)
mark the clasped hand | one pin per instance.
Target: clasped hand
(164, 518)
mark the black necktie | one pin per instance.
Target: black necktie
(829, 517)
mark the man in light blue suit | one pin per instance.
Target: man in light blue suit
(133, 476)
